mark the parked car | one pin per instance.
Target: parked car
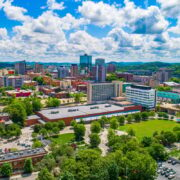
(171, 176)
(169, 161)
(163, 172)
(174, 162)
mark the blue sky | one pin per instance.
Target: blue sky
(117, 30)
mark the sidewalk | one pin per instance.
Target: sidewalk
(32, 176)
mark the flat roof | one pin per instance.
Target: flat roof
(172, 84)
(21, 154)
(33, 117)
(60, 112)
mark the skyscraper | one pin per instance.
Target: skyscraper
(111, 68)
(100, 69)
(20, 67)
(38, 68)
(74, 70)
(86, 62)
(63, 72)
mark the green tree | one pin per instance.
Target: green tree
(39, 79)
(102, 121)
(28, 166)
(67, 176)
(121, 120)
(73, 123)
(47, 162)
(37, 128)
(137, 117)
(37, 144)
(6, 169)
(17, 112)
(95, 127)
(52, 102)
(114, 123)
(168, 138)
(36, 104)
(158, 152)
(129, 118)
(94, 140)
(131, 132)
(78, 97)
(79, 131)
(55, 130)
(13, 130)
(113, 171)
(146, 141)
(61, 125)
(43, 132)
(44, 174)
(28, 106)
(152, 113)
(144, 116)
(139, 166)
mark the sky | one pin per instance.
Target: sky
(117, 30)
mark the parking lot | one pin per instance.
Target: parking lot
(175, 167)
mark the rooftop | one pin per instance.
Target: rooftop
(65, 112)
(171, 84)
(21, 154)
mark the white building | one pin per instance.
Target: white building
(141, 95)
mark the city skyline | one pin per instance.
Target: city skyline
(61, 31)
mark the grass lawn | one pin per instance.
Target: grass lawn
(63, 138)
(147, 128)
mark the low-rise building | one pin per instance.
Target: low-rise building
(171, 97)
(19, 93)
(86, 113)
(18, 158)
(127, 76)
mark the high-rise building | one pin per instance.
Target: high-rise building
(38, 68)
(74, 70)
(100, 70)
(86, 62)
(98, 92)
(100, 61)
(141, 95)
(163, 75)
(63, 72)
(20, 67)
(111, 68)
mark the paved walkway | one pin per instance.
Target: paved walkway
(104, 140)
(87, 133)
(32, 176)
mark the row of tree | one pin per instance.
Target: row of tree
(48, 129)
